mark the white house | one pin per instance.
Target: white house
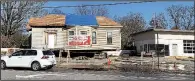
(75, 33)
(174, 42)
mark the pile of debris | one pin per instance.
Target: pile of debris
(82, 58)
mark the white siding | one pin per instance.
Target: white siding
(38, 38)
(175, 38)
(167, 38)
(101, 38)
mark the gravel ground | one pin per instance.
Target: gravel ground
(189, 65)
(61, 74)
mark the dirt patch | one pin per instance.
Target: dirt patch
(149, 69)
(133, 65)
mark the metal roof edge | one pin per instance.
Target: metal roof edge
(163, 30)
(110, 26)
(166, 30)
(143, 31)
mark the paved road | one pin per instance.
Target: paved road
(55, 74)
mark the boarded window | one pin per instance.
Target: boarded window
(93, 37)
(109, 37)
(71, 32)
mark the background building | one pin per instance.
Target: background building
(170, 42)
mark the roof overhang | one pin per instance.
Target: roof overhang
(112, 26)
(164, 30)
(64, 21)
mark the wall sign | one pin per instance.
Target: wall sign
(79, 40)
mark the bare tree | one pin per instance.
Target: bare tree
(174, 12)
(159, 21)
(15, 14)
(132, 23)
(92, 10)
(57, 11)
(187, 17)
(14, 41)
(181, 16)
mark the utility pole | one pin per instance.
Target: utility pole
(154, 20)
(155, 23)
(157, 50)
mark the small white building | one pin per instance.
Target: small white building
(173, 42)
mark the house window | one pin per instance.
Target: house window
(109, 37)
(94, 37)
(188, 46)
(71, 32)
(83, 32)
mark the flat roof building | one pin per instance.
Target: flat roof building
(170, 42)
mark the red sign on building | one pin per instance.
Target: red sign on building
(79, 40)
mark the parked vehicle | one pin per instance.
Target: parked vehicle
(35, 59)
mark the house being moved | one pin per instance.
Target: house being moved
(75, 33)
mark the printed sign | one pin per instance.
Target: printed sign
(79, 40)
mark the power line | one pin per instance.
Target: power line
(100, 4)
(111, 4)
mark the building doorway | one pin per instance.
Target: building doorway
(174, 50)
(51, 40)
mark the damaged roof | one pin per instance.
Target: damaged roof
(48, 20)
(81, 20)
(60, 20)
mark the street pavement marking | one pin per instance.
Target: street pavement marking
(37, 75)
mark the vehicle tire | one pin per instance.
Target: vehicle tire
(35, 66)
(3, 65)
(50, 67)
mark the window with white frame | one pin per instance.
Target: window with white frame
(109, 37)
(71, 33)
(94, 37)
(189, 46)
(83, 32)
